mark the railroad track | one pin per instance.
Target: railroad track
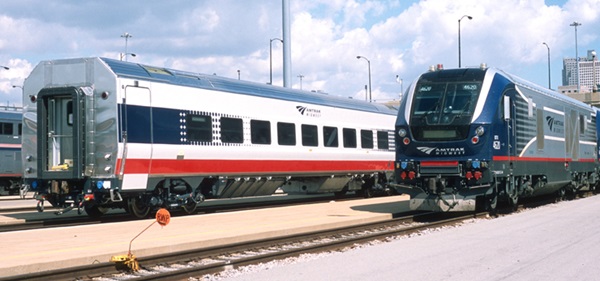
(199, 262)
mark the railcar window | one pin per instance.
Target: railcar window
(286, 133)
(20, 128)
(70, 113)
(330, 136)
(6, 128)
(260, 132)
(366, 138)
(383, 141)
(198, 127)
(349, 137)
(309, 135)
(232, 130)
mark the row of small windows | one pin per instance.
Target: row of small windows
(8, 129)
(199, 128)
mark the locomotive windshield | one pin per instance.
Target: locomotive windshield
(443, 111)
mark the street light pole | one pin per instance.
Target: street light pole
(595, 88)
(300, 76)
(470, 18)
(549, 84)
(126, 36)
(271, 59)
(122, 55)
(576, 24)
(399, 80)
(369, 64)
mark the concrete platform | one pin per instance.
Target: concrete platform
(45, 249)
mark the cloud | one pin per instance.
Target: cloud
(398, 37)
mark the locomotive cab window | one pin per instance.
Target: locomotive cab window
(443, 111)
(349, 137)
(309, 135)
(232, 130)
(286, 133)
(198, 127)
(260, 132)
(330, 136)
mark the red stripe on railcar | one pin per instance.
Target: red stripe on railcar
(540, 159)
(168, 166)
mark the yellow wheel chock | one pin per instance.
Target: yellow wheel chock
(128, 261)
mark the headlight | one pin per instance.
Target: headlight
(480, 131)
(402, 133)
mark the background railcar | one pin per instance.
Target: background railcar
(468, 137)
(102, 133)
(10, 150)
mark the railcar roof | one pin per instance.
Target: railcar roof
(11, 113)
(214, 82)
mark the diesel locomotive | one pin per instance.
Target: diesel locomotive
(468, 138)
(100, 133)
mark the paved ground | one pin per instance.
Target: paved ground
(554, 242)
(43, 249)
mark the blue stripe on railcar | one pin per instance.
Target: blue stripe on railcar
(165, 126)
(10, 115)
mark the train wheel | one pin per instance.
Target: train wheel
(367, 193)
(94, 210)
(560, 194)
(138, 208)
(512, 192)
(492, 202)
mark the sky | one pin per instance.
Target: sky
(400, 38)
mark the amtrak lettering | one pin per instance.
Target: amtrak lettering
(309, 112)
(442, 151)
(555, 126)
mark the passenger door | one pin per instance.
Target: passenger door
(137, 137)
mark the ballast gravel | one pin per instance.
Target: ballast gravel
(559, 241)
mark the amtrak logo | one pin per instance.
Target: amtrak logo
(556, 126)
(426, 150)
(309, 112)
(442, 151)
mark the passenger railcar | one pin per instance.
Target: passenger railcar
(10, 150)
(101, 133)
(471, 136)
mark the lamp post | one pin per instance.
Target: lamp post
(300, 76)
(470, 18)
(549, 84)
(124, 55)
(126, 36)
(595, 88)
(369, 64)
(271, 59)
(401, 82)
(576, 24)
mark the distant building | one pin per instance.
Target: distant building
(587, 78)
